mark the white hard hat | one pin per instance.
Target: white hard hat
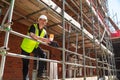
(43, 17)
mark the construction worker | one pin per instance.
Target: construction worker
(38, 33)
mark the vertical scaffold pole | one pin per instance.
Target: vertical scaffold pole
(83, 38)
(63, 52)
(76, 50)
(6, 39)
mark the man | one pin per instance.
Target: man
(38, 33)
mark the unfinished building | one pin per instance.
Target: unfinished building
(81, 28)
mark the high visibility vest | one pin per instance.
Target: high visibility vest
(28, 45)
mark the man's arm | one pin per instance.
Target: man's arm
(37, 38)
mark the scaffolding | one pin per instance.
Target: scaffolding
(80, 25)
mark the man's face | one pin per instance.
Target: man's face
(43, 22)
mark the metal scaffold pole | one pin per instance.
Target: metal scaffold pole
(103, 63)
(83, 43)
(63, 51)
(114, 67)
(94, 38)
(76, 55)
(6, 39)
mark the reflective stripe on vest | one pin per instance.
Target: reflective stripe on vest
(28, 45)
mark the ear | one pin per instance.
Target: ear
(38, 20)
